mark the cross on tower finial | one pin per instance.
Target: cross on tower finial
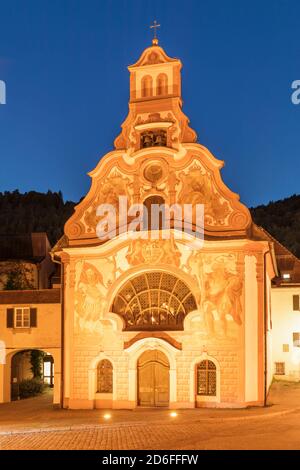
(154, 26)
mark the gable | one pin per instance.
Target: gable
(191, 176)
(152, 56)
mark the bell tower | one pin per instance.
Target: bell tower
(155, 115)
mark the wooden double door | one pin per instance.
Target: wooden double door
(153, 379)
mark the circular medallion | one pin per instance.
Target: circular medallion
(153, 172)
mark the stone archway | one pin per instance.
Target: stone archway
(153, 379)
(30, 365)
(7, 373)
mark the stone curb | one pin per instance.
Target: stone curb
(259, 416)
(85, 427)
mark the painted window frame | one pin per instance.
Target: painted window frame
(207, 371)
(23, 323)
(204, 400)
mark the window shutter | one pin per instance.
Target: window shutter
(9, 318)
(33, 318)
(296, 302)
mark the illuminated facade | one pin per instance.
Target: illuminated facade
(180, 326)
(162, 322)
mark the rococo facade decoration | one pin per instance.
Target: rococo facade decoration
(146, 319)
(162, 307)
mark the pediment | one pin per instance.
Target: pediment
(153, 55)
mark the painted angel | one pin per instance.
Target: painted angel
(91, 296)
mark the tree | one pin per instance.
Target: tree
(17, 278)
(36, 361)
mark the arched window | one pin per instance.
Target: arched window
(206, 378)
(147, 86)
(154, 301)
(104, 377)
(155, 138)
(158, 222)
(162, 84)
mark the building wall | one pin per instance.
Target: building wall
(236, 352)
(269, 333)
(21, 367)
(285, 321)
(46, 336)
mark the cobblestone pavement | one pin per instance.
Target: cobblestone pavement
(260, 433)
(38, 412)
(275, 427)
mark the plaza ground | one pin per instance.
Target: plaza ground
(34, 424)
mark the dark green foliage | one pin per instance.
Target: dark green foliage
(34, 212)
(17, 278)
(282, 220)
(31, 388)
(36, 361)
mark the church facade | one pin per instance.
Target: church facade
(160, 318)
(169, 323)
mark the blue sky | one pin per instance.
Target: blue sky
(65, 67)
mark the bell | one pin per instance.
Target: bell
(158, 140)
(147, 141)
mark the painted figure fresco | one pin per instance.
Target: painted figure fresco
(222, 292)
(91, 297)
(221, 289)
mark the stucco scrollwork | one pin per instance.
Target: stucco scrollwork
(153, 252)
(110, 189)
(154, 117)
(198, 188)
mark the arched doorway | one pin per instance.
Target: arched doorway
(153, 379)
(32, 371)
